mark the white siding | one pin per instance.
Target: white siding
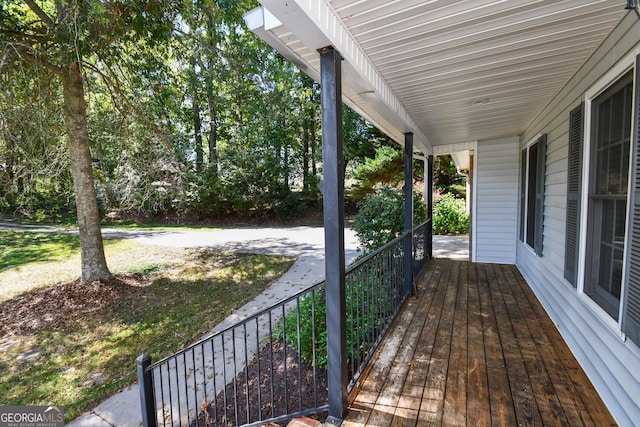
(612, 364)
(496, 205)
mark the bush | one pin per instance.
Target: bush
(364, 304)
(450, 216)
(380, 217)
(312, 307)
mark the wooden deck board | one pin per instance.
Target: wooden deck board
(474, 347)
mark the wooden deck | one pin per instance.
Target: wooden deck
(475, 348)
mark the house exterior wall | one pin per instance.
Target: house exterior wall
(495, 201)
(611, 362)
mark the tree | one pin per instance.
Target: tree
(64, 36)
(33, 164)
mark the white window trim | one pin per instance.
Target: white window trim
(527, 146)
(612, 76)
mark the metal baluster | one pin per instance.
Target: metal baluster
(284, 339)
(299, 359)
(271, 364)
(186, 389)
(246, 370)
(313, 347)
(215, 388)
(225, 419)
(235, 371)
(259, 381)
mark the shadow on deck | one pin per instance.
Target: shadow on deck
(474, 347)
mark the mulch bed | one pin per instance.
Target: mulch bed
(300, 390)
(57, 306)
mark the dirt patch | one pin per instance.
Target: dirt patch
(263, 390)
(57, 306)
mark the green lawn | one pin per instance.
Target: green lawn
(88, 354)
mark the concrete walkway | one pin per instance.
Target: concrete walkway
(454, 247)
(307, 243)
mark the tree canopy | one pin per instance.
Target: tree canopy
(157, 107)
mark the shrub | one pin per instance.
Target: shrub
(304, 327)
(380, 217)
(312, 308)
(450, 216)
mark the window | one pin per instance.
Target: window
(608, 188)
(603, 197)
(532, 194)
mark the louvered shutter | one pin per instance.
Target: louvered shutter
(523, 188)
(631, 313)
(574, 179)
(539, 208)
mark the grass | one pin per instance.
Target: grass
(32, 260)
(82, 361)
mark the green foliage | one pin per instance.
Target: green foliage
(450, 216)
(380, 217)
(305, 329)
(446, 177)
(143, 80)
(294, 205)
(386, 167)
(361, 138)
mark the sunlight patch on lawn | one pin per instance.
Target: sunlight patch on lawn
(84, 359)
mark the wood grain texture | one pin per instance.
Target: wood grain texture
(477, 349)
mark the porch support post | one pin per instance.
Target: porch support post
(408, 213)
(333, 205)
(428, 177)
(427, 189)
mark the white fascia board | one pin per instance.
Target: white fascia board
(315, 24)
(260, 21)
(440, 150)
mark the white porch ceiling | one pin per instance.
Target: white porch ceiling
(449, 71)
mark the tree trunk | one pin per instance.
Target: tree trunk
(213, 131)
(197, 129)
(197, 123)
(305, 154)
(312, 141)
(94, 265)
(212, 33)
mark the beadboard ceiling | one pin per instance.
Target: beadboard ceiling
(449, 71)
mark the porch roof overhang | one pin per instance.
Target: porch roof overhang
(448, 71)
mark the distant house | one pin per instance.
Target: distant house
(545, 97)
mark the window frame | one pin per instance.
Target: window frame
(532, 218)
(611, 78)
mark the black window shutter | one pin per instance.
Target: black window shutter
(539, 209)
(631, 313)
(523, 188)
(574, 179)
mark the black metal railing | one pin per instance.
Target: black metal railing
(374, 289)
(245, 374)
(375, 293)
(270, 367)
(422, 246)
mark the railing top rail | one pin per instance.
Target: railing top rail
(358, 263)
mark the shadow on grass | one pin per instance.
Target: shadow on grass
(87, 336)
(19, 248)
